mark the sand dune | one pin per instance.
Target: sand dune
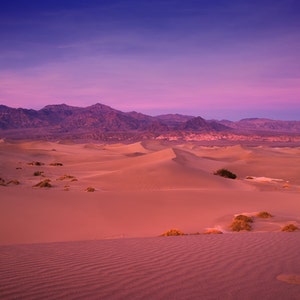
(141, 195)
(194, 267)
(142, 190)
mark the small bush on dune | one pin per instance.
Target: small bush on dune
(264, 215)
(56, 164)
(90, 189)
(66, 177)
(244, 218)
(2, 182)
(38, 173)
(238, 225)
(35, 163)
(14, 181)
(225, 173)
(172, 232)
(241, 222)
(290, 228)
(44, 184)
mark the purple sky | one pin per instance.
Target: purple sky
(222, 59)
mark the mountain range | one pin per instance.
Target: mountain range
(101, 122)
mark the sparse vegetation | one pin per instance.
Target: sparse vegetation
(225, 173)
(172, 232)
(44, 184)
(241, 222)
(90, 189)
(14, 181)
(64, 177)
(38, 173)
(290, 228)
(66, 188)
(264, 215)
(56, 164)
(244, 218)
(135, 154)
(35, 163)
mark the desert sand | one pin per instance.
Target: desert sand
(62, 242)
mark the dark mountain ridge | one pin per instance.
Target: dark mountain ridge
(101, 122)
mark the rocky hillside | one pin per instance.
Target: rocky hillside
(101, 122)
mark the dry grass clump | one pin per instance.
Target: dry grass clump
(289, 228)
(64, 177)
(135, 154)
(172, 232)
(14, 181)
(244, 218)
(38, 173)
(264, 215)
(66, 188)
(213, 231)
(225, 173)
(2, 182)
(241, 222)
(56, 164)
(44, 184)
(35, 163)
(90, 189)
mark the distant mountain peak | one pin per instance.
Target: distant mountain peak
(100, 121)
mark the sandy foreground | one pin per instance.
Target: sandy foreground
(65, 243)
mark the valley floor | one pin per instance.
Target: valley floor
(65, 242)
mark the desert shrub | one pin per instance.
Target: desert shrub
(172, 232)
(241, 222)
(57, 164)
(134, 154)
(289, 228)
(35, 163)
(66, 188)
(2, 181)
(244, 218)
(66, 177)
(38, 173)
(213, 231)
(90, 189)
(44, 183)
(238, 225)
(14, 181)
(225, 173)
(264, 215)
